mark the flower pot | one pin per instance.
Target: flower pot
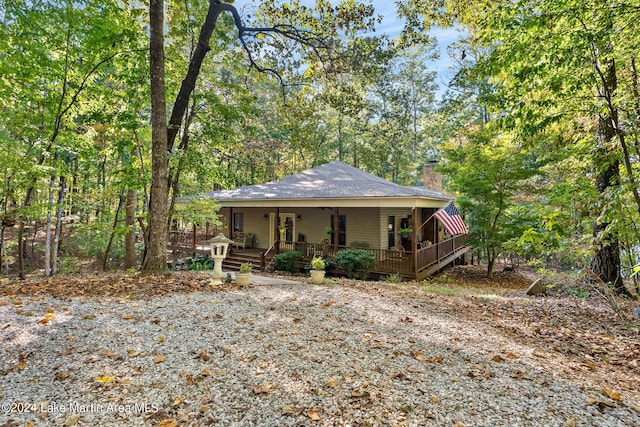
(243, 279)
(317, 276)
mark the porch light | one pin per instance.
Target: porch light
(298, 217)
(219, 246)
(266, 217)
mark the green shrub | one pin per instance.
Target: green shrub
(199, 263)
(355, 261)
(288, 261)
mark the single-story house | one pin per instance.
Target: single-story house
(335, 206)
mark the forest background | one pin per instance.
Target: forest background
(537, 134)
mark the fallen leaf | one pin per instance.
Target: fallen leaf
(178, 401)
(333, 382)
(589, 364)
(168, 423)
(203, 356)
(133, 353)
(289, 410)
(159, 359)
(47, 318)
(263, 388)
(62, 375)
(512, 356)
(71, 420)
(599, 403)
(127, 316)
(314, 414)
(571, 422)
(105, 379)
(22, 364)
(418, 355)
(161, 338)
(612, 394)
(498, 358)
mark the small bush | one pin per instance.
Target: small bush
(355, 261)
(199, 263)
(288, 261)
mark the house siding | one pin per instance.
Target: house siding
(399, 213)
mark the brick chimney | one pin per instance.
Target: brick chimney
(432, 179)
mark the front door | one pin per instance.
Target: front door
(286, 227)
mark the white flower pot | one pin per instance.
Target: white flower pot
(243, 279)
(317, 276)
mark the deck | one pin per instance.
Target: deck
(419, 265)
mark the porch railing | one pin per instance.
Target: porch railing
(387, 261)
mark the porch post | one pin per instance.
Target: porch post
(277, 231)
(414, 238)
(193, 241)
(336, 231)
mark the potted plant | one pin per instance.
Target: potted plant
(317, 270)
(404, 232)
(243, 277)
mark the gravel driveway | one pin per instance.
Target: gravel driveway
(277, 355)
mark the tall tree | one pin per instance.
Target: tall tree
(298, 32)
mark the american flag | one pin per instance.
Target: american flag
(450, 218)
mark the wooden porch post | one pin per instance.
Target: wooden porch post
(336, 231)
(277, 231)
(193, 241)
(414, 239)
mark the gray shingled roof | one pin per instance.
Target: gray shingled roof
(335, 180)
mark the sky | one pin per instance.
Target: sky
(392, 26)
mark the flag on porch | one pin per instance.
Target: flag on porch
(450, 218)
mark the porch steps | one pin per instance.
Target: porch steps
(233, 261)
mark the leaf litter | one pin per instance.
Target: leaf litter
(348, 352)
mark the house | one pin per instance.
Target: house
(336, 206)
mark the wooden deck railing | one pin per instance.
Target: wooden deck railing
(387, 261)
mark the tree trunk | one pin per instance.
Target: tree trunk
(130, 258)
(156, 252)
(605, 262)
(47, 244)
(107, 251)
(56, 241)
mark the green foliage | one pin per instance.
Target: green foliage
(246, 267)
(199, 263)
(355, 261)
(488, 172)
(288, 261)
(394, 278)
(317, 263)
(198, 211)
